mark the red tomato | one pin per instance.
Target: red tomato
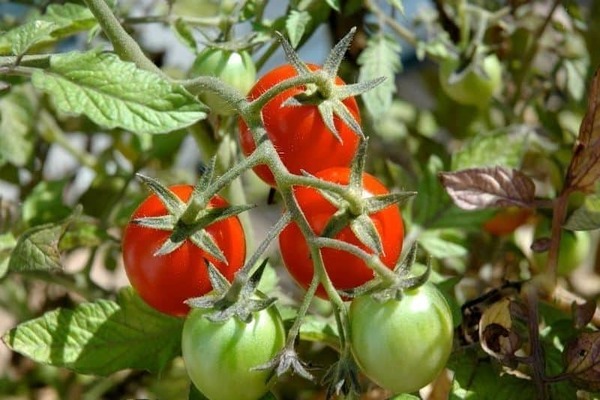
(298, 133)
(345, 270)
(164, 282)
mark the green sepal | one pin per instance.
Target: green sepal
(239, 300)
(363, 227)
(162, 223)
(206, 242)
(172, 203)
(336, 56)
(378, 203)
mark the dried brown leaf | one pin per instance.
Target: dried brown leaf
(582, 359)
(478, 188)
(584, 170)
(497, 333)
(583, 313)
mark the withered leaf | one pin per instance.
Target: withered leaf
(583, 313)
(478, 188)
(497, 334)
(582, 360)
(584, 170)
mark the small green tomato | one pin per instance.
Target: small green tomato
(220, 357)
(235, 68)
(402, 345)
(473, 88)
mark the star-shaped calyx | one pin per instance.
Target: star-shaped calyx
(325, 94)
(188, 220)
(353, 209)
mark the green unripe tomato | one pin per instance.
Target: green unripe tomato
(219, 357)
(402, 345)
(235, 68)
(573, 250)
(473, 89)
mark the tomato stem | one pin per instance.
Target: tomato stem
(123, 44)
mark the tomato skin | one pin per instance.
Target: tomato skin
(235, 68)
(402, 345)
(507, 220)
(473, 89)
(219, 356)
(298, 132)
(165, 282)
(345, 270)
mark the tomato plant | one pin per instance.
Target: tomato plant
(220, 356)
(473, 88)
(298, 132)
(402, 345)
(345, 270)
(166, 281)
(506, 221)
(234, 68)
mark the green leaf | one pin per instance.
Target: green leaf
(295, 25)
(507, 151)
(16, 125)
(37, 249)
(7, 243)
(335, 4)
(380, 58)
(100, 337)
(115, 93)
(318, 329)
(586, 217)
(476, 379)
(439, 247)
(405, 396)
(59, 21)
(29, 34)
(45, 204)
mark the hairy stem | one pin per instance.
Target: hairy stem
(123, 44)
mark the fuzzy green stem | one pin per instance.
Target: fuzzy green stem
(214, 85)
(400, 30)
(302, 310)
(123, 44)
(372, 260)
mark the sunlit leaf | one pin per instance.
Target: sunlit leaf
(381, 58)
(296, 24)
(100, 337)
(115, 93)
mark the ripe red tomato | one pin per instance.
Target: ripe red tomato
(345, 270)
(165, 282)
(298, 132)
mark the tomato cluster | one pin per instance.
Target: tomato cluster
(414, 333)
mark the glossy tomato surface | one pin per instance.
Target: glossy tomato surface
(165, 282)
(234, 68)
(298, 132)
(345, 270)
(219, 357)
(402, 345)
